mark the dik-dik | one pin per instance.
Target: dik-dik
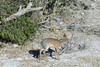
(53, 43)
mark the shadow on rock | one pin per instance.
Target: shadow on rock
(35, 53)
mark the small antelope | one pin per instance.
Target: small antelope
(53, 43)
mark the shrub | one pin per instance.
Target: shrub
(21, 29)
(18, 30)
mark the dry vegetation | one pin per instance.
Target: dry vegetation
(79, 19)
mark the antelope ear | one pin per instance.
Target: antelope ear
(64, 35)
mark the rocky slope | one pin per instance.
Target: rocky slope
(84, 25)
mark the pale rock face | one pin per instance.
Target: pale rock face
(15, 45)
(89, 57)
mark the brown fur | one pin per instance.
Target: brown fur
(55, 43)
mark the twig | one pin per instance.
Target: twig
(21, 12)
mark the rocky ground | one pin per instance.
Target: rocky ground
(86, 31)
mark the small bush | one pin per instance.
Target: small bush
(18, 30)
(21, 29)
(1, 45)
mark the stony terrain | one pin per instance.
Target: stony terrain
(87, 31)
(90, 57)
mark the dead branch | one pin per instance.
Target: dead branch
(21, 12)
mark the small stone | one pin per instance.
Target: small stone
(61, 23)
(15, 45)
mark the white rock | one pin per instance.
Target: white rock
(15, 45)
